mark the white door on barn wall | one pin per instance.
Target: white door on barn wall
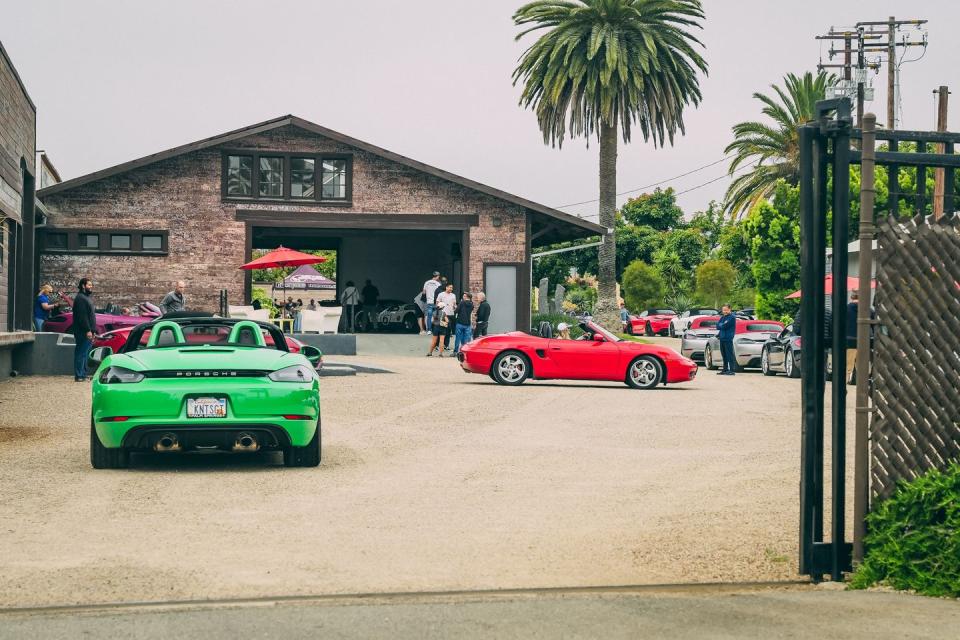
(501, 290)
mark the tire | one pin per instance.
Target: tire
(648, 330)
(788, 366)
(362, 325)
(765, 363)
(308, 456)
(708, 359)
(510, 368)
(670, 331)
(645, 372)
(628, 329)
(102, 457)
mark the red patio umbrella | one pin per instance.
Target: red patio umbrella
(852, 284)
(282, 257)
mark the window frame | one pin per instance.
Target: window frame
(253, 174)
(104, 241)
(318, 158)
(129, 238)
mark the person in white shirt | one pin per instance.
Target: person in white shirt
(428, 295)
(350, 298)
(448, 302)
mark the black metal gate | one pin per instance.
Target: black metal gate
(825, 158)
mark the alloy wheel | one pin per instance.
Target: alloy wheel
(512, 368)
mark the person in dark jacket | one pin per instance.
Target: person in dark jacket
(726, 329)
(464, 328)
(483, 315)
(83, 327)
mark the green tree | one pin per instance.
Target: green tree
(710, 223)
(689, 245)
(658, 210)
(774, 147)
(642, 286)
(667, 263)
(604, 65)
(773, 229)
(715, 280)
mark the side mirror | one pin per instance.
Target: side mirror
(598, 337)
(100, 354)
(312, 354)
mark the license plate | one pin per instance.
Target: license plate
(206, 407)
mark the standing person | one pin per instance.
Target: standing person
(313, 305)
(624, 317)
(464, 330)
(350, 298)
(429, 297)
(84, 324)
(438, 327)
(174, 301)
(42, 307)
(420, 304)
(447, 301)
(726, 329)
(483, 314)
(371, 296)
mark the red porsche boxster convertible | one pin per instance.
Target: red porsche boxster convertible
(651, 322)
(511, 358)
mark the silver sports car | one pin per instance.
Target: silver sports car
(695, 338)
(747, 344)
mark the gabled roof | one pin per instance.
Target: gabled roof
(290, 120)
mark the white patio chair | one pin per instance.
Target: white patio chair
(312, 321)
(331, 319)
(258, 315)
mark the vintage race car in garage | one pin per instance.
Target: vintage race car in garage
(651, 322)
(682, 322)
(749, 339)
(391, 315)
(205, 383)
(514, 357)
(695, 339)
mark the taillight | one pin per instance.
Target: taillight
(115, 419)
(295, 416)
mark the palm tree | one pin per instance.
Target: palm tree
(774, 147)
(605, 64)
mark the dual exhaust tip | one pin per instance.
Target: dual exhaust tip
(244, 442)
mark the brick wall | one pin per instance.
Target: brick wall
(207, 244)
(18, 125)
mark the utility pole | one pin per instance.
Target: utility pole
(851, 38)
(891, 73)
(938, 174)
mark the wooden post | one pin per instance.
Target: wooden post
(938, 173)
(892, 73)
(861, 446)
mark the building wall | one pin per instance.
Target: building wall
(18, 126)
(207, 243)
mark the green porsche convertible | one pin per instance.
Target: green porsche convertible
(194, 383)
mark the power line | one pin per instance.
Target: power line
(703, 184)
(655, 184)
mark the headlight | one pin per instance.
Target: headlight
(119, 375)
(296, 373)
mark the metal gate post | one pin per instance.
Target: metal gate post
(839, 553)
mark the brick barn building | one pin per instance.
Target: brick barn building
(198, 211)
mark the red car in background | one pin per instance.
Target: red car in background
(62, 319)
(652, 322)
(511, 358)
(116, 339)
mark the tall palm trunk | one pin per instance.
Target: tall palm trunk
(606, 309)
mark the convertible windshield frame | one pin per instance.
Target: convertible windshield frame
(592, 327)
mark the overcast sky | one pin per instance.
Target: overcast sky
(430, 79)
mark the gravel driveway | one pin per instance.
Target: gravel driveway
(432, 479)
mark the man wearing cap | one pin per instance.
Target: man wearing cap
(429, 295)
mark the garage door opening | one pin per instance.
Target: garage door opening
(395, 261)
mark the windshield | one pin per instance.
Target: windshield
(704, 312)
(203, 333)
(705, 324)
(591, 328)
(661, 312)
(764, 326)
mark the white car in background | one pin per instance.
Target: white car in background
(682, 322)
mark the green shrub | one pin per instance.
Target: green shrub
(913, 539)
(642, 286)
(554, 319)
(265, 301)
(582, 298)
